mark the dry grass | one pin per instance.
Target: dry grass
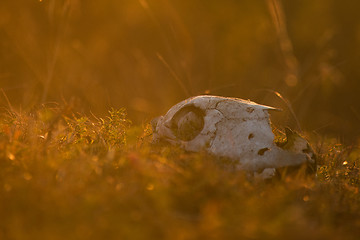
(163, 51)
(69, 176)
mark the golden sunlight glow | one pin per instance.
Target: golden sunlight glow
(81, 81)
(291, 80)
(150, 187)
(144, 4)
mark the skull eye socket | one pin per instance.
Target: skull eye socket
(187, 123)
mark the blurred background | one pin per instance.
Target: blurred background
(147, 55)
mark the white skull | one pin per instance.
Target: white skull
(226, 127)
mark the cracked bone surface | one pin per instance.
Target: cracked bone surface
(226, 127)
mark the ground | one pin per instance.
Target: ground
(70, 176)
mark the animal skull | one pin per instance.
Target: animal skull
(227, 127)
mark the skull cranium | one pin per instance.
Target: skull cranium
(226, 127)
